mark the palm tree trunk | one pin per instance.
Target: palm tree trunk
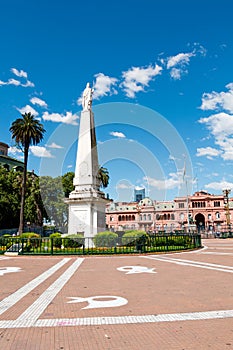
(24, 182)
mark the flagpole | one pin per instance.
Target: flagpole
(187, 198)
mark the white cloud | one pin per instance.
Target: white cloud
(176, 73)
(124, 186)
(28, 84)
(104, 85)
(28, 109)
(54, 145)
(175, 180)
(40, 151)
(17, 83)
(38, 101)
(137, 78)
(15, 152)
(215, 100)
(18, 73)
(180, 59)
(209, 152)
(139, 188)
(68, 118)
(220, 125)
(117, 134)
(178, 64)
(219, 186)
(13, 82)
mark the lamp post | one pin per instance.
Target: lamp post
(226, 193)
(139, 210)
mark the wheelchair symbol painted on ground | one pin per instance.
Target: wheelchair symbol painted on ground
(4, 270)
(136, 269)
(100, 301)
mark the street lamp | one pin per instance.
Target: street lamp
(226, 193)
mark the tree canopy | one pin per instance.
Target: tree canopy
(26, 131)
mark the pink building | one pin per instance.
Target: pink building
(206, 211)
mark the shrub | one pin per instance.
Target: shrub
(105, 239)
(73, 241)
(133, 237)
(57, 240)
(32, 239)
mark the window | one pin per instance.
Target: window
(217, 204)
(182, 217)
(181, 205)
(149, 217)
(217, 215)
(172, 217)
(209, 217)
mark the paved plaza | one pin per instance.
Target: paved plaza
(163, 301)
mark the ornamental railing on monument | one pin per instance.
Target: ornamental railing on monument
(87, 246)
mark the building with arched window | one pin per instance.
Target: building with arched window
(9, 162)
(202, 210)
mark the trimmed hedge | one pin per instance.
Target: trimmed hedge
(57, 240)
(105, 239)
(73, 241)
(134, 237)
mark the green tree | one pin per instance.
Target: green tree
(52, 194)
(34, 210)
(26, 131)
(9, 199)
(67, 183)
(103, 176)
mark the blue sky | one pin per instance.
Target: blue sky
(163, 79)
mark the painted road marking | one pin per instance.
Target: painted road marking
(216, 253)
(219, 248)
(33, 312)
(10, 269)
(136, 269)
(12, 299)
(112, 320)
(94, 303)
(202, 265)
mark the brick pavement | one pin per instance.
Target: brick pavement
(179, 301)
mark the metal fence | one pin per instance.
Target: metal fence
(88, 246)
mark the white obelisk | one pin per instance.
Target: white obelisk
(86, 203)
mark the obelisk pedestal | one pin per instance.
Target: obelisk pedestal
(86, 203)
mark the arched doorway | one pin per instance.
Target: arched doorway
(200, 222)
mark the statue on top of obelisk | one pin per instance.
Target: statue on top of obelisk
(87, 98)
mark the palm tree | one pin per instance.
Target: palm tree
(26, 131)
(103, 176)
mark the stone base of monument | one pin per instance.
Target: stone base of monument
(86, 214)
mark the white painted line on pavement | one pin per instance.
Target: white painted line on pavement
(216, 253)
(112, 320)
(204, 263)
(33, 312)
(220, 248)
(201, 265)
(12, 299)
